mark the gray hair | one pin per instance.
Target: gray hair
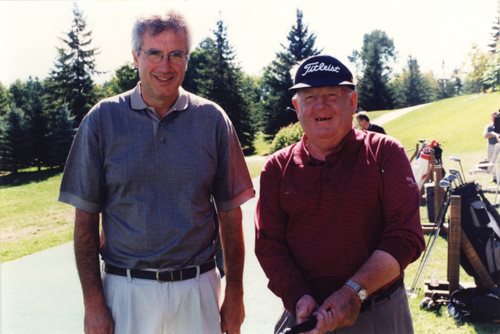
(156, 24)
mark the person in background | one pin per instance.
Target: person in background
(337, 220)
(490, 134)
(364, 123)
(163, 170)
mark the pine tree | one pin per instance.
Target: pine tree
(28, 96)
(37, 123)
(373, 61)
(213, 73)
(415, 89)
(14, 143)
(71, 78)
(4, 100)
(277, 110)
(60, 136)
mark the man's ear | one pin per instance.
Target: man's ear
(136, 58)
(295, 103)
(354, 101)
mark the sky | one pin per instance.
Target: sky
(435, 32)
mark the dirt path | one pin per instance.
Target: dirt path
(395, 114)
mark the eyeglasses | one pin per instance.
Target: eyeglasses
(157, 56)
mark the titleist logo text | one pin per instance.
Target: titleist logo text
(316, 67)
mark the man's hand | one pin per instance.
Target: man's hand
(232, 312)
(98, 320)
(339, 310)
(304, 308)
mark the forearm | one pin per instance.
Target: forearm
(233, 246)
(98, 319)
(490, 134)
(86, 243)
(380, 269)
(341, 308)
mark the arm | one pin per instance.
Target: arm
(489, 134)
(342, 308)
(98, 318)
(231, 232)
(286, 280)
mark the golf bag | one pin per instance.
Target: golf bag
(475, 305)
(421, 164)
(481, 225)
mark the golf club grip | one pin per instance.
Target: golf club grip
(302, 327)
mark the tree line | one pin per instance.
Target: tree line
(38, 118)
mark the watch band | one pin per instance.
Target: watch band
(358, 289)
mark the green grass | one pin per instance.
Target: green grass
(456, 123)
(31, 219)
(262, 147)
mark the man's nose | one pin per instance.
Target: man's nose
(321, 102)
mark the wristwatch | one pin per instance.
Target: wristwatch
(360, 291)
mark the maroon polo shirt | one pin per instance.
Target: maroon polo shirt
(318, 222)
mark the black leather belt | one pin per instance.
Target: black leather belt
(383, 295)
(162, 275)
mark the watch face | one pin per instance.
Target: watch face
(362, 294)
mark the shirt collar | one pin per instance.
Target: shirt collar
(351, 143)
(137, 103)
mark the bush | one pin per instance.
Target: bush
(287, 136)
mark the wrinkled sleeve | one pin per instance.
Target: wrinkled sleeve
(82, 181)
(402, 236)
(271, 249)
(233, 185)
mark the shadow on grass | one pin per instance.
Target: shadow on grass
(27, 176)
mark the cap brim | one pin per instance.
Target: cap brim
(321, 84)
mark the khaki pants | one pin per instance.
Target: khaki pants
(150, 307)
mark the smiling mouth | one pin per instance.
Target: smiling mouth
(322, 119)
(163, 78)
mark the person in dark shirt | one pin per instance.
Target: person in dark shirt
(364, 123)
(337, 220)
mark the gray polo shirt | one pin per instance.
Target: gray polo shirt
(156, 182)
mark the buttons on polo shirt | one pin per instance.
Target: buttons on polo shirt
(163, 140)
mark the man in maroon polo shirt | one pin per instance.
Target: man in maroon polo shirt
(337, 220)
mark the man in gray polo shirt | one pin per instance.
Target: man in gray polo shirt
(164, 172)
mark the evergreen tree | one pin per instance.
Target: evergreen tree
(37, 123)
(277, 109)
(60, 136)
(14, 143)
(373, 61)
(4, 100)
(415, 89)
(214, 74)
(197, 75)
(28, 97)
(71, 78)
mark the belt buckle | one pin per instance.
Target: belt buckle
(171, 273)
